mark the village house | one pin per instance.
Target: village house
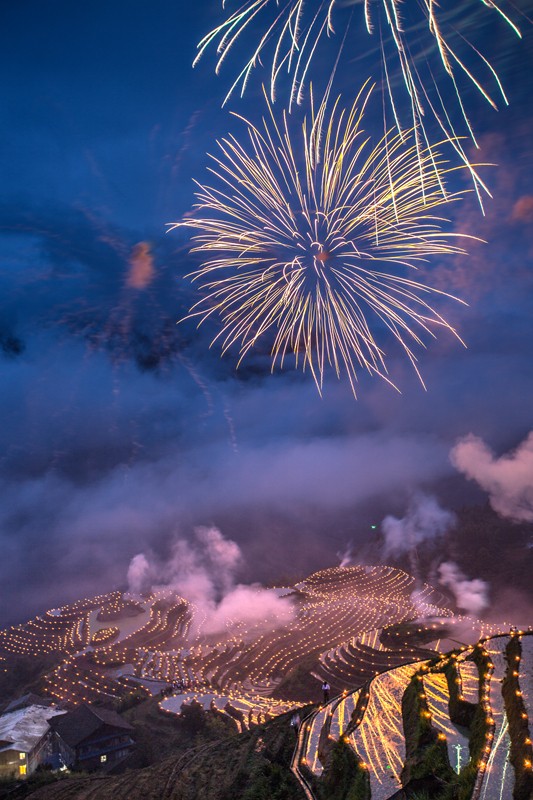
(25, 739)
(90, 738)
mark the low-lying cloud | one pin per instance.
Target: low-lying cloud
(426, 524)
(80, 501)
(471, 596)
(425, 521)
(508, 479)
(204, 573)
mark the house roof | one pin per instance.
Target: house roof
(30, 699)
(77, 725)
(24, 728)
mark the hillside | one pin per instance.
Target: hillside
(101, 649)
(211, 711)
(254, 765)
(454, 727)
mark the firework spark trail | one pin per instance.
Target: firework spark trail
(295, 28)
(317, 253)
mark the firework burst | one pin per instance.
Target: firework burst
(317, 257)
(294, 28)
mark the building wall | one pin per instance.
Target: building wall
(41, 753)
(62, 754)
(103, 748)
(12, 765)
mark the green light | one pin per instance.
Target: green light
(373, 527)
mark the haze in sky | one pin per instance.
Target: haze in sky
(122, 431)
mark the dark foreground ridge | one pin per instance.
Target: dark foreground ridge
(219, 764)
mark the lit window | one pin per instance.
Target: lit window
(103, 759)
(22, 756)
(22, 769)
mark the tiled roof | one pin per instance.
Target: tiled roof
(77, 725)
(30, 699)
(24, 728)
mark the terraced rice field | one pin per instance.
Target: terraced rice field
(526, 675)
(438, 696)
(379, 739)
(499, 777)
(469, 676)
(376, 731)
(356, 627)
(335, 632)
(363, 629)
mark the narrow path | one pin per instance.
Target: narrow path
(299, 752)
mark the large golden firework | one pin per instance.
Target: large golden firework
(294, 29)
(310, 241)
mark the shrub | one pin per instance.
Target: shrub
(344, 778)
(521, 753)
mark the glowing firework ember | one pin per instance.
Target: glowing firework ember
(424, 45)
(315, 257)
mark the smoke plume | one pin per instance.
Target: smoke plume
(425, 520)
(470, 595)
(204, 574)
(346, 557)
(508, 479)
(138, 574)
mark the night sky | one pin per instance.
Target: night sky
(121, 430)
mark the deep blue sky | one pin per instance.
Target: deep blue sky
(119, 429)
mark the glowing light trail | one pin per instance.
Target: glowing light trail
(295, 28)
(310, 239)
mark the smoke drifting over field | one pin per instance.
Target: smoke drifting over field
(471, 596)
(425, 521)
(508, 479)
(426, 524)
(204, 573)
